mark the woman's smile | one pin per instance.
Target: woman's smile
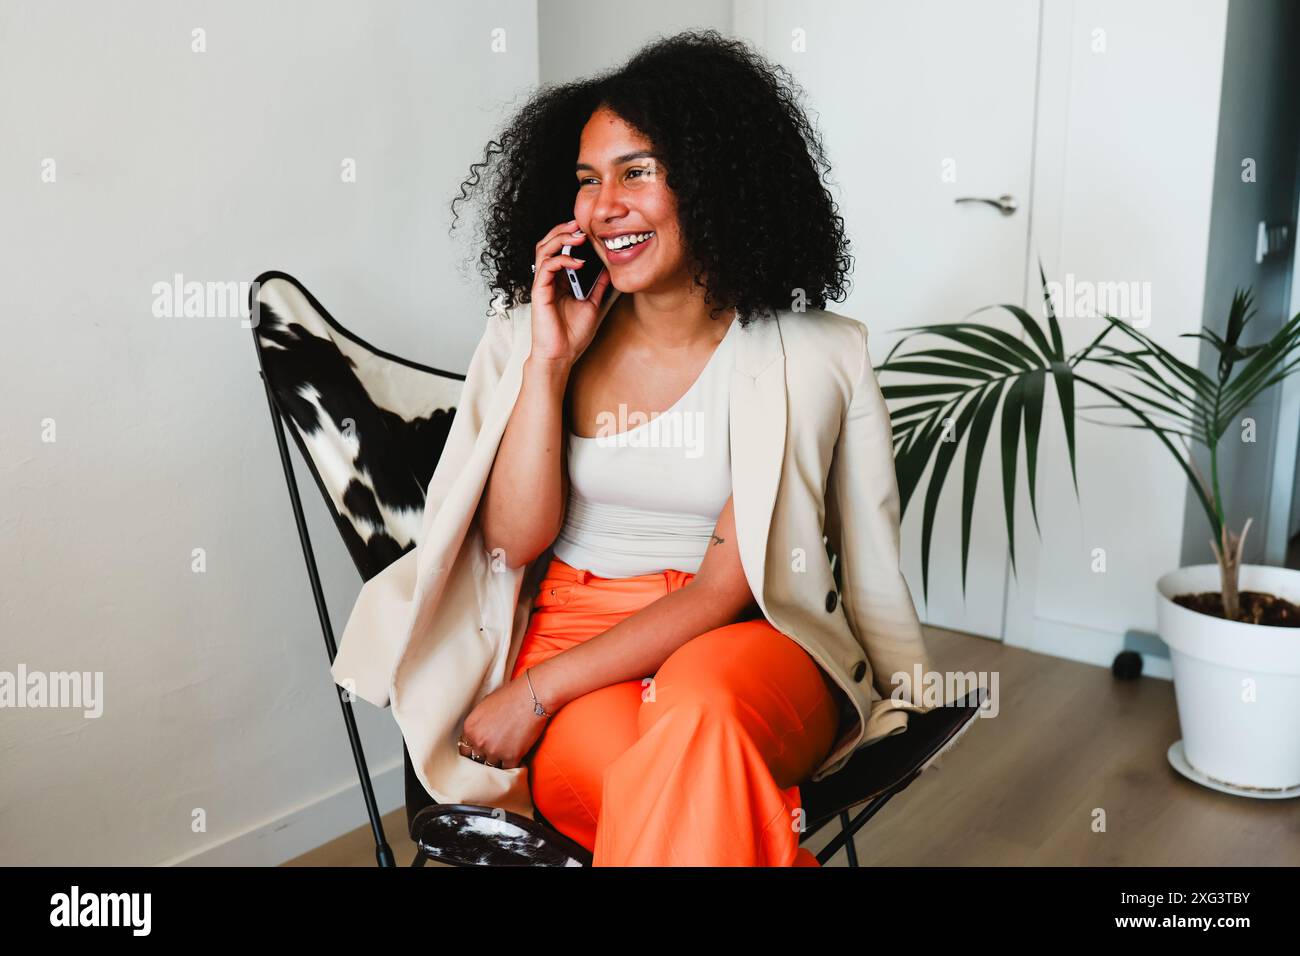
(628, 253)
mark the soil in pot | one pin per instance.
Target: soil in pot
(1254, 607)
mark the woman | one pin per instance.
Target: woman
(665, 720)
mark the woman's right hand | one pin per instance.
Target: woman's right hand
(563, 325)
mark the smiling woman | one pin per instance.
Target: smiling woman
(711, 120)
(650, 676)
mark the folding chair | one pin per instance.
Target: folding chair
(370, 427)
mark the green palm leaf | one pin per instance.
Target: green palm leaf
(947, 450)
(974, 453)
(954, 416)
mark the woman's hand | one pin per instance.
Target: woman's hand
(502, 727)
(563, 325)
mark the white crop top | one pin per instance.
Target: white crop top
(645, 492)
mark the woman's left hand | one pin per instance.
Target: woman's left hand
(502, 727)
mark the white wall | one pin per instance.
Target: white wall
(1259, 120)
(1124, 170)
(577, 38)
(215, 165)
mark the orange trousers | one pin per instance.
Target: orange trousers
(699, 767)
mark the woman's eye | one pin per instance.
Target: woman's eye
(638, 169)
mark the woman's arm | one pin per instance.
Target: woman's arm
(637, 646)
(522, 509)
(865, 516)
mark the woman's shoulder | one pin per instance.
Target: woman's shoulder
(822, 336)
(504, 322)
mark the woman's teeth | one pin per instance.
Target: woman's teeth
(624, 242)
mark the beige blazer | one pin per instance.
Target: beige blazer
(811, 454)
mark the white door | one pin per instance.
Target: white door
(919, 104)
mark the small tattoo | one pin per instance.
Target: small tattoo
(717, 540)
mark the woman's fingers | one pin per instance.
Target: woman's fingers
(569, 226)
(549, 266)
(473, 752)
(555, 240)
(553, 251)
(564, 232)
(482, 753)
(555, 309)
(545, 276)
(553, 263)
(547, 258)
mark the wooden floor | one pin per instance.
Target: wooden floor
(1024, 787)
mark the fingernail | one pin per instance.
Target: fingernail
(578, 232)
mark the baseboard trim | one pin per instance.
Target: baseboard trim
(1088, 646)
(304, 828)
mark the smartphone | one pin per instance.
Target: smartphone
(581, 281)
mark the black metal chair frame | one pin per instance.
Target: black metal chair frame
(852, 795)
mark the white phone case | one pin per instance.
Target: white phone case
(574, 284)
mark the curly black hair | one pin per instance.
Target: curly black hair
(745, 164)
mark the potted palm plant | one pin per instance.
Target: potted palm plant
(1231, 629)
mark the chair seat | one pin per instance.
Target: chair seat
(887, 766)
(462, 835)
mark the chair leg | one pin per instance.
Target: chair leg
(850, 848)
(420, 859)
(383, 853)
(849, 827)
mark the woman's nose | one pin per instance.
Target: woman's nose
(610, 205)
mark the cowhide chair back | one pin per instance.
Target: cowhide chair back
(370, 425)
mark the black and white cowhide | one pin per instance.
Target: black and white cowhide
(371, 426)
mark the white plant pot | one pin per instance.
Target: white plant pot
(1237, 686)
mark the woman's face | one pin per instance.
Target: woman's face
(622, 192)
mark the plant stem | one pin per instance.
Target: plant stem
(1228, 555)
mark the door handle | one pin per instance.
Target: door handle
(1004, 204)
